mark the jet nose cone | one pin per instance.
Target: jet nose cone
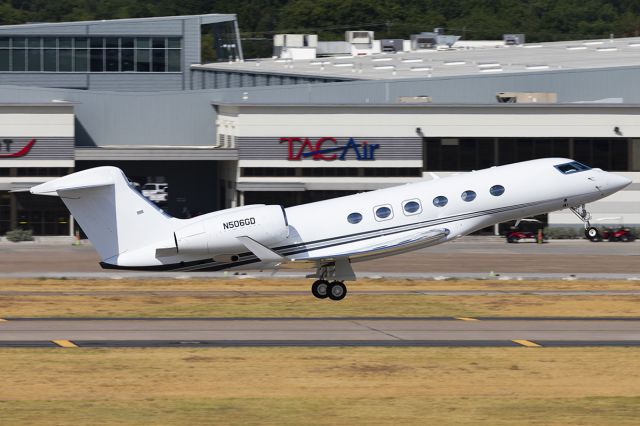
(617, 182)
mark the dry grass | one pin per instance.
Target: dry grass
(306, 306)
(321, 386)
(128, 298)
(247, 283)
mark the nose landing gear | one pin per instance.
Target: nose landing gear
(590, 232)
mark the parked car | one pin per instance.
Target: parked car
(156, 192)
(619, 233)
(527, 229)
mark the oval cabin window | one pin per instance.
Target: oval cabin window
(412, 207)
(440, 201)
(496, 190)
(354, 218)
(468, 196)
(383, 212)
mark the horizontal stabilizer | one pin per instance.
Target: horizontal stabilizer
(166, 252)
(116, 218)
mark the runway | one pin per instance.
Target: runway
(469, 257)
(356, 331)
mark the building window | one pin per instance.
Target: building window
(93, 54)
(383, 212)
(440, 201)
(468, 196)
(604, 153)
(453, 154)
(412, 207)
(496, 190)
(391, 172)
(41, 171)
(354, 218)
(514, 150)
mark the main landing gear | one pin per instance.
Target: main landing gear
(330, 279)
(334, 290)
(590, 232)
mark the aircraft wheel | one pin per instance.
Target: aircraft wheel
(592, 234)
(320, 289)
(337, 290)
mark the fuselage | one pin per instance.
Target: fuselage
(530, 188)
(352, 228)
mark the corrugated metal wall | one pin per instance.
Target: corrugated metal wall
(570, 85)
(124, 118)
(187, 117)
(47, 148)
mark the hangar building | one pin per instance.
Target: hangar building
(134, 93)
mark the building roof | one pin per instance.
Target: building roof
(539, 57)
(210, 18)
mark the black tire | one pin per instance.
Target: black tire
(320, 289)
(592, 234)
(624, 238)
(512, 240)
(337, 290)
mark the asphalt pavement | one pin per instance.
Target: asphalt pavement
(469, 257)
(222, 332)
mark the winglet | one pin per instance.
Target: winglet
(263, 253)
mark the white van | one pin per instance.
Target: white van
(156, 192)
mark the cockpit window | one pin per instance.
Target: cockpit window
(573, 167)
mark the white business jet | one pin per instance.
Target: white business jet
(131, 233)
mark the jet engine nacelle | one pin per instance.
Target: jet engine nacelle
(215, 233)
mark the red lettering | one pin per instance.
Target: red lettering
(290, 142)
(321, 156)
(305, 145)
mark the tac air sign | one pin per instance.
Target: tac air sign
(329, 149)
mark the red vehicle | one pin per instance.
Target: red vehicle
(615, 234)
(525, 229)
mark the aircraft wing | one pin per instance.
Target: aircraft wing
(349, 252)
(381, 247)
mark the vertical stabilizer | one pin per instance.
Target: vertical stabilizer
(115, 216)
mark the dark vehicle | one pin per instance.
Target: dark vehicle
(525, 229)
(615, 234)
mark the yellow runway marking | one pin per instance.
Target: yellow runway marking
(527, 343)
(466, 319)
(65, 343)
